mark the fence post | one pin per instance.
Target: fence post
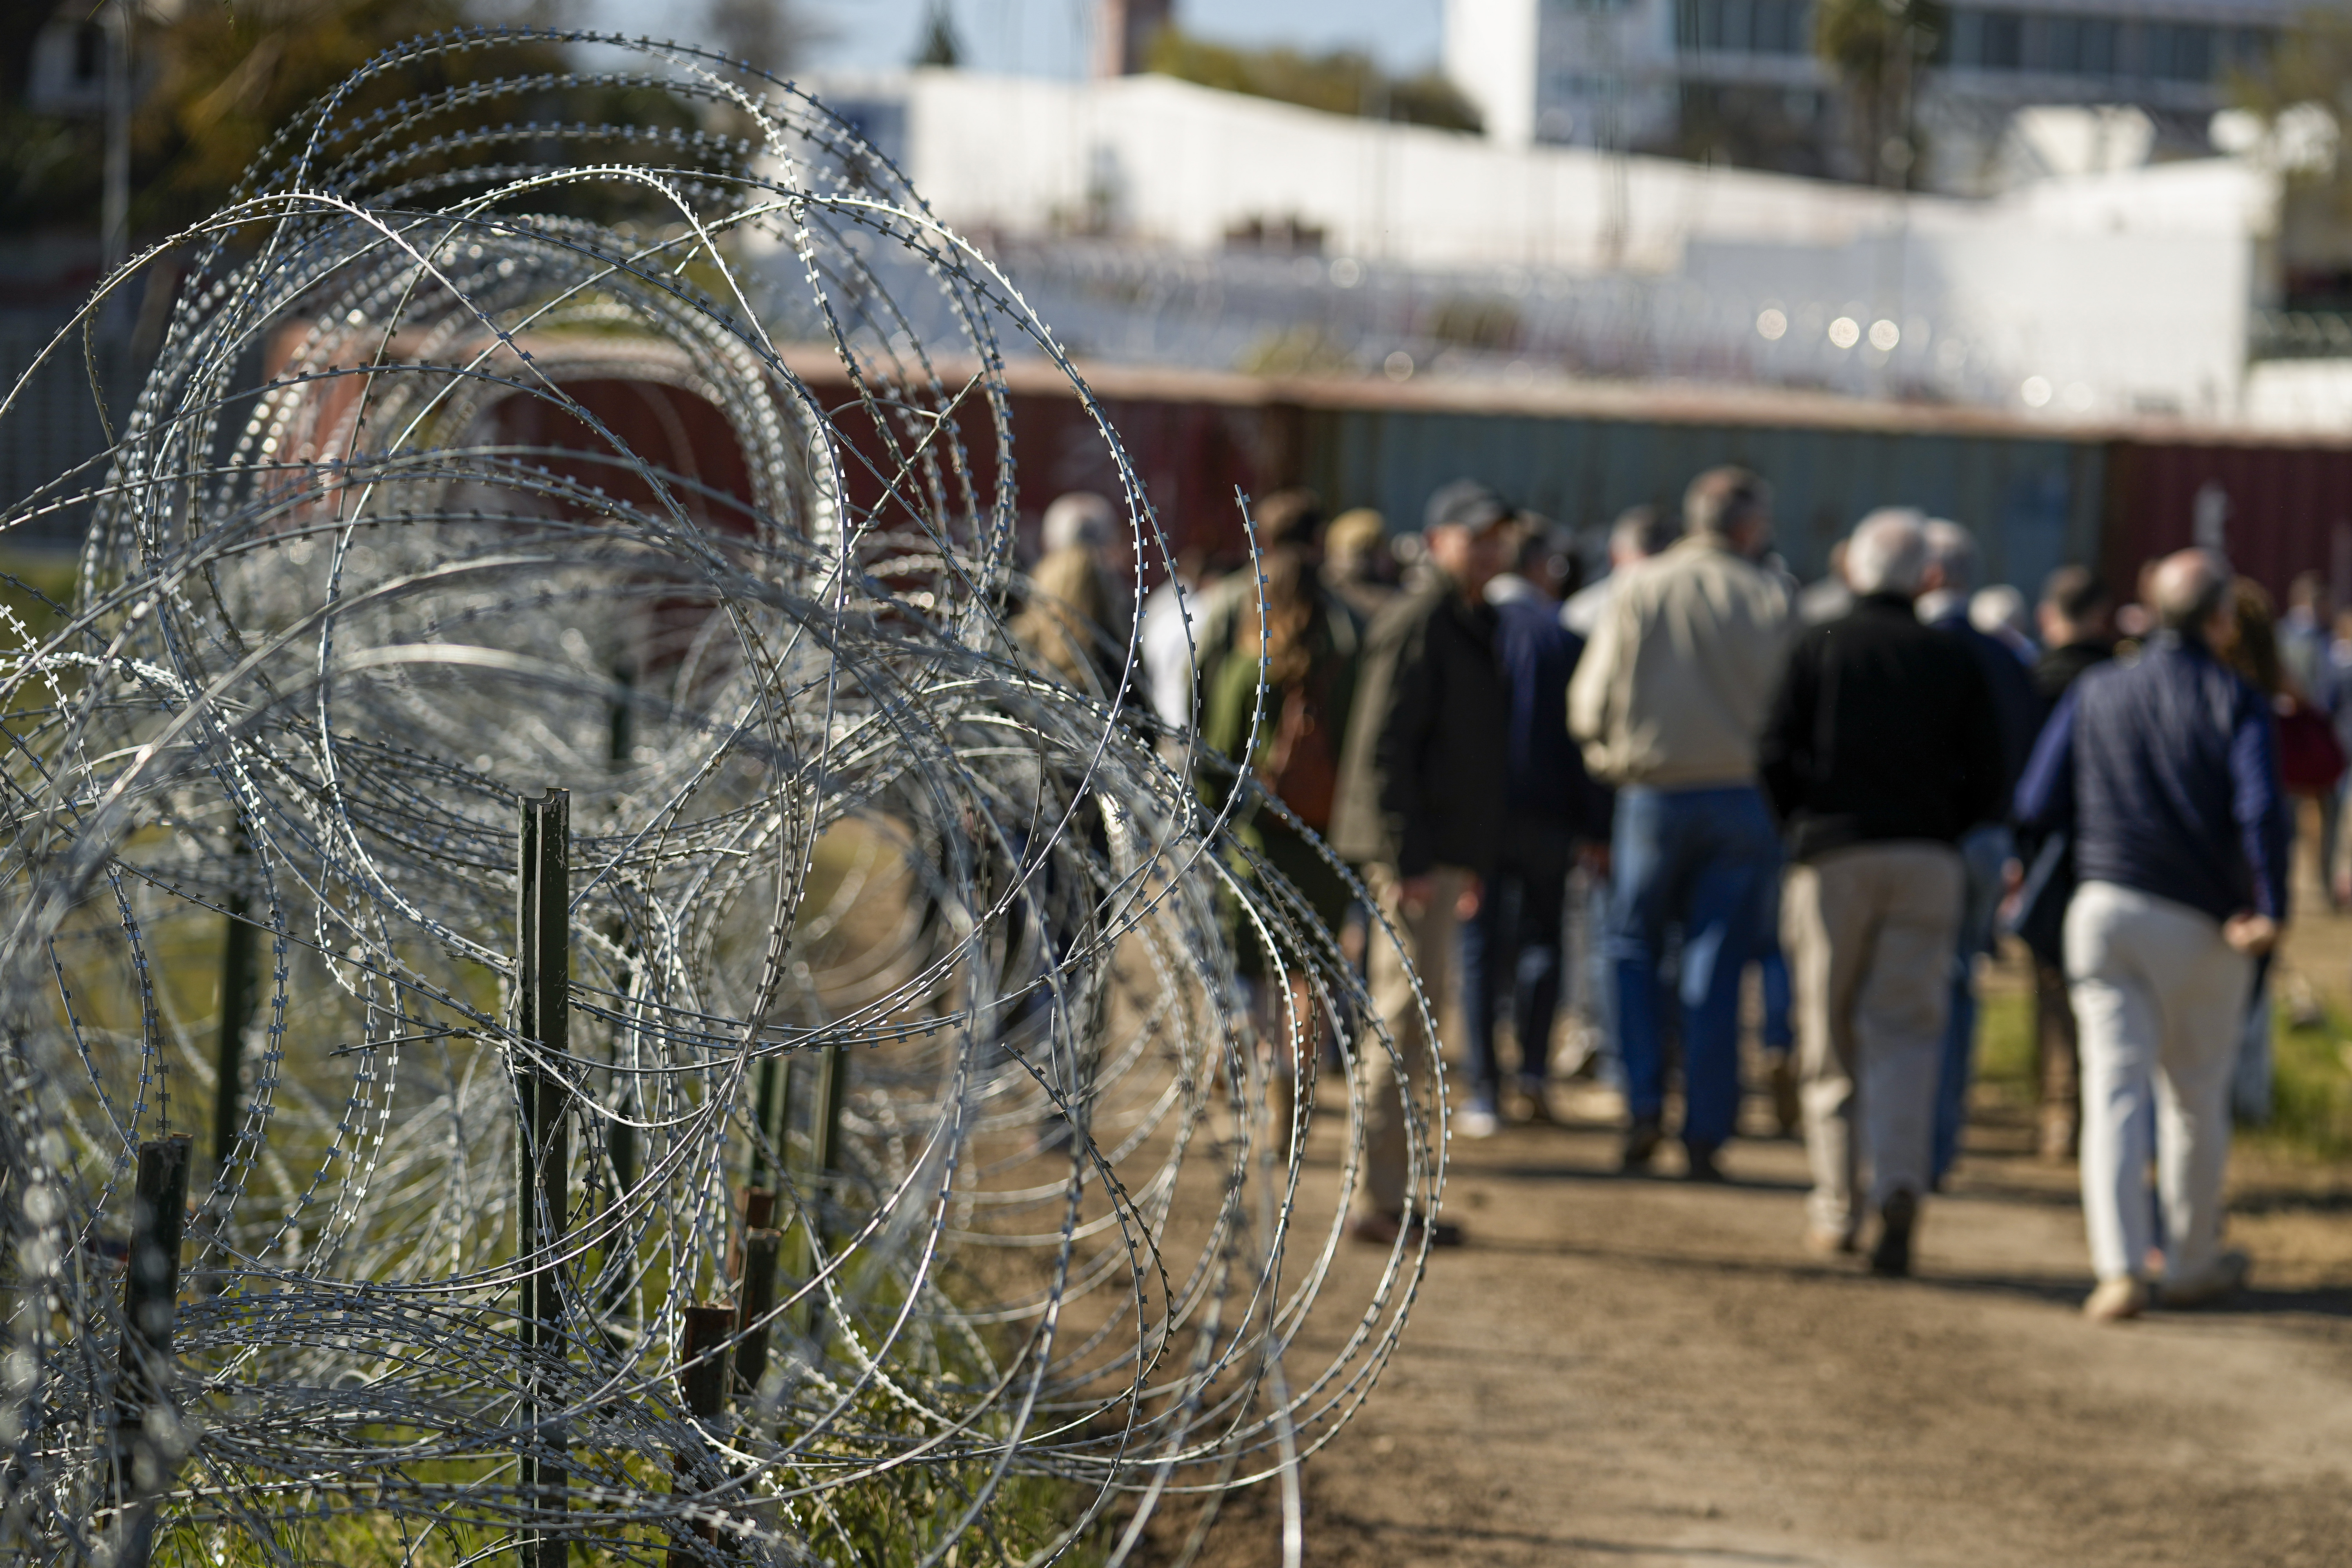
(543, 984)
(753, 1270)
(703, 1381)
(145, 1449)
(236, 988)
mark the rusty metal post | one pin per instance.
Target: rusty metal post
(753, 1270)
(543, 1143)
(702, 1388)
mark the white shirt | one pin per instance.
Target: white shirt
(1167, 644)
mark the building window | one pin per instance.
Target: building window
(2179, 51)
(2082, 45)
(1747, 27)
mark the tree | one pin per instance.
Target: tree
(941, 47)
(2299, 95)
(221, 80)
(1344, 82)
(1876, 48)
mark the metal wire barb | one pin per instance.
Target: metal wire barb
(896, 1179)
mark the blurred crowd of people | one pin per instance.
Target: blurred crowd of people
(1626, 784)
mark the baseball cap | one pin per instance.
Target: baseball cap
(1467, 503)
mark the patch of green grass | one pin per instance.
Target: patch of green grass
(2311, 1094)
(2005, 1055)
(2310, 1087)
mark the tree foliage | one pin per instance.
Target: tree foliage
(220, 78)
(1877, 48)
(1346, 81)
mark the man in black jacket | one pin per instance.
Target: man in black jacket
(1882, 749)
(1422, 807)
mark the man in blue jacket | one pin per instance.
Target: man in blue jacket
(1511, 957)
(2166, 772)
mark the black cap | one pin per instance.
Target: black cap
(1467, 503)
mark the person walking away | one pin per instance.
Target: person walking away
(2074, 618)
(1667, 703)
(1882, 750)
(1987, 847)
(1421, 803)
(2286, 658)
(1511, 955)
(1356, 562)
(2309, 763)
(1301, 718)
(2302, 635)
(1999, 613)
(2166, 772)
(1640, 534)
(1829, 596)
(1074, 626)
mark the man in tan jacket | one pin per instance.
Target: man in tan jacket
(1667, 703)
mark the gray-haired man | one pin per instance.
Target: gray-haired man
(2167, 773)
(1881, 750)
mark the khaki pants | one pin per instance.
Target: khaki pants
(2160, 1000)
(1392, 1185)
(1869, 932)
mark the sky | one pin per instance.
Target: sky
(1047, 38)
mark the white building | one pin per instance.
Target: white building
(1633, 73)
(2090, 295)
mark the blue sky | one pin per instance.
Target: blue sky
(1046, 37)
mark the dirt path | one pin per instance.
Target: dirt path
(1641, 1372)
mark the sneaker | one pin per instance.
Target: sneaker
(1538, 1095)
(2116, 1300)
(1700, 1166)
(1642, 1140)
(1476, 1120)
(1786, 1110)
(1891, 1259)
(2223, 1278)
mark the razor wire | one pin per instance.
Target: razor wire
(678, 1034)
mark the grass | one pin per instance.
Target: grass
(2311, 1098)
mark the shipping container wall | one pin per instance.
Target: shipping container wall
(2275, 511)
(2033, 503)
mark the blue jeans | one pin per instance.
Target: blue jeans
(1511, 955)
(1984, 851)
(1704, 861)
(1778, 1031)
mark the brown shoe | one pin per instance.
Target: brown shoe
(2116, 1299)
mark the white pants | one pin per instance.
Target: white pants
(2160, 999)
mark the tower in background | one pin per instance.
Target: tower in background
(1124, 31)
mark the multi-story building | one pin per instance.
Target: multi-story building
(1738, 78)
